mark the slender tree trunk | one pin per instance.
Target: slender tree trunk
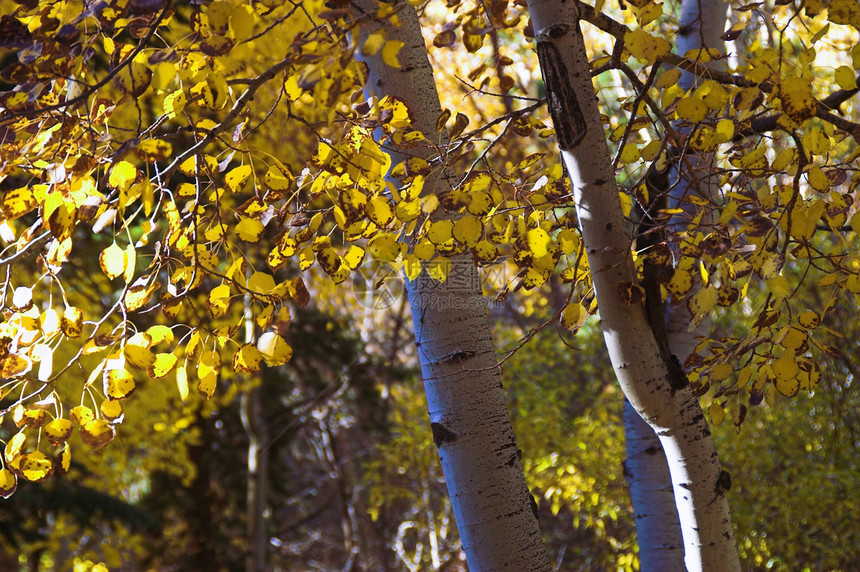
(254, 422)
(658, 530)
(656, 517)
(468, 414)
(656, 386)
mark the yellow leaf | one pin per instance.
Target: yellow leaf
(261, 283)
(111, 410)
(537, 241)
(720, 372)
(390, 51)
(274, 349)
(35, 466)
(785, 371)
(439, 268)
(18, 202)
(249, 229)
(797, 99)
(113, 261)
(219, 300)
(97, 433)
(629, 154)
(691, 109)
(373, 43)
(716, 413)
(81, 414)
(384, 247)
(242, 22)
(8, 483)
(182, 382)
(162, 366)
(130, 261)
(118, 383)
(468, 230)
(643, 46)
(668, 78)
(136, 351)
(379, 211)
(122, 175)
(353, 257)
(63, 460)
(206, 385)
(574, 316)
(844, 12)
(247, 359)
(58, 431)
(237, 177)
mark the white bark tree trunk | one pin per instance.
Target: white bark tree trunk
(656, 387)
(702, 23)
(253, 417)
(658, 530)
(468, 414)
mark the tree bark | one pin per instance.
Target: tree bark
(658, 530)
(655, 386)
(468, 414)
(657, 526)
(254, 421)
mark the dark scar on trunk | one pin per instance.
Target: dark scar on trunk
(570, 127)
(442, 435)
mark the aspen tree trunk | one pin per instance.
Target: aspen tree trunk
(657, 528)
(468, 414)
(656, 387)
(253, 417)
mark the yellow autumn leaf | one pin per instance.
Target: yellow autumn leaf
(390, 51)
(122, 175)
(247, 359)
(81, 414)
(716, 413)
(35, 466)
(785, 371)
(237, 177)
(97, 433)
(373, 43)
(274, 349)
(537, 241)
(468, 230)
(439, 268)
(111, 410)
(219, 300)
(720, 372)
(17, 202)
(353, 257)
(691, 109)
(384, 247)
(797, 99)
(249, 229)
(182, 382)
(58, 431)
(8, 483)
(574, 316)
(629, 153)
(113, 261)
(162, 365)
(118, 383)
(645, 47)
(379, 211)
(206, 385)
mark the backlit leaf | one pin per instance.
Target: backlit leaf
(113, 261)
(97, 433)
